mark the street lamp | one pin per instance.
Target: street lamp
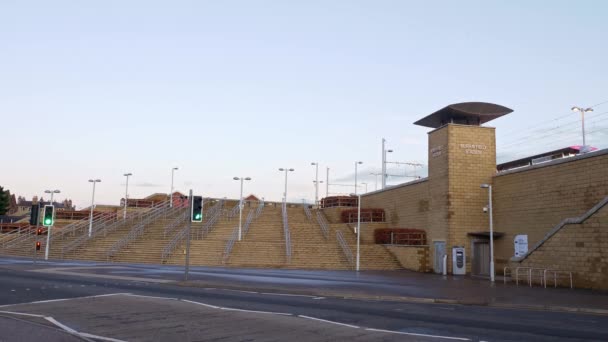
(583, 111)
(285, 193)
(376, 179)
(316, 164)
(384, 151)
(92, 205)
(124, 216)
(327, 183)
(52, 192)
(365, 185)
(357, 163)
(171, 198)
(48, 233)
(489, 187)
(358, 228)
(241, 202)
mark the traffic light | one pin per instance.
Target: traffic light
(37, 245)
(49, 216)
(197, 209)
(34, 214)
(39, 231)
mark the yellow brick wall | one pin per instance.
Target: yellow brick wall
(414, 258)
(533, 200)
(579, 248)
(472, 162)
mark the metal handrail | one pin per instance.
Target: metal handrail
(233, 211)
(307, 211)
(212, 216)
(172, 245)
(230, 244)
(176, 223)
(286, 233)
(110, 225)
(258, 211)
(555, 272)
(250, 218)
(136, 231)
(323, 224)
(345, 248)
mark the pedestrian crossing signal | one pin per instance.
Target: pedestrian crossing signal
(197, 209)
(49, 215)
(37, 245)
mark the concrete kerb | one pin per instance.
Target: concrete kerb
(403, 299)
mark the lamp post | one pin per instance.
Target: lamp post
(316, 164)
(94, 181)
(285, 193)
(358, 229)
(363, 183)
(327, 183)
(317, 186)
(376, 179)
(583, 111)
(48, 233)
(124, 216)
(384, 151)
(241, 203)
(171, 195)
(357, 163)
(489, 187)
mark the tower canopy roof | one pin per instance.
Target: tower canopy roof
(465, 113)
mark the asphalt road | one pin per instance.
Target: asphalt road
(304, 316)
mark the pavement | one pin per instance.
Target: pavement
(125, 302)
(402, 285)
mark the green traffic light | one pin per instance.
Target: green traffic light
(197, 216)
(47, 221)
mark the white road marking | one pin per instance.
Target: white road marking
(97, 337)
(153, 297)
(254, 311)
(63, 299)
(20, 314)
(239, 291)
(62, 326)
(422, 335)
(331, 322)
(199, 303)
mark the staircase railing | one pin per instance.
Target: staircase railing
(7, 238)
(176, 223)
(250, 218)
(137, 231)
(307, 211)
(286, 233)
(258, 211)
(172, 245)
(109, 225)
(233, 212)
(212, 216)
(323, 224)
(345, 248)
(230, 244)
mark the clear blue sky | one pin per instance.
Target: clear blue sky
(230, 88)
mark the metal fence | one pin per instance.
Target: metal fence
(345, 248)
(323, 224)
(213, 214)
(137, 230)
(307, 211)
(286, 233)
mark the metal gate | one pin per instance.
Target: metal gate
(481, 258)
(439, 253)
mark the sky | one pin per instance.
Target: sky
(95, 89)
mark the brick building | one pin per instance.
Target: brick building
(530, 200)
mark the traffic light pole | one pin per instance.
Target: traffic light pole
(187, 269)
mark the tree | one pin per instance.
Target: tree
(4, 201)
